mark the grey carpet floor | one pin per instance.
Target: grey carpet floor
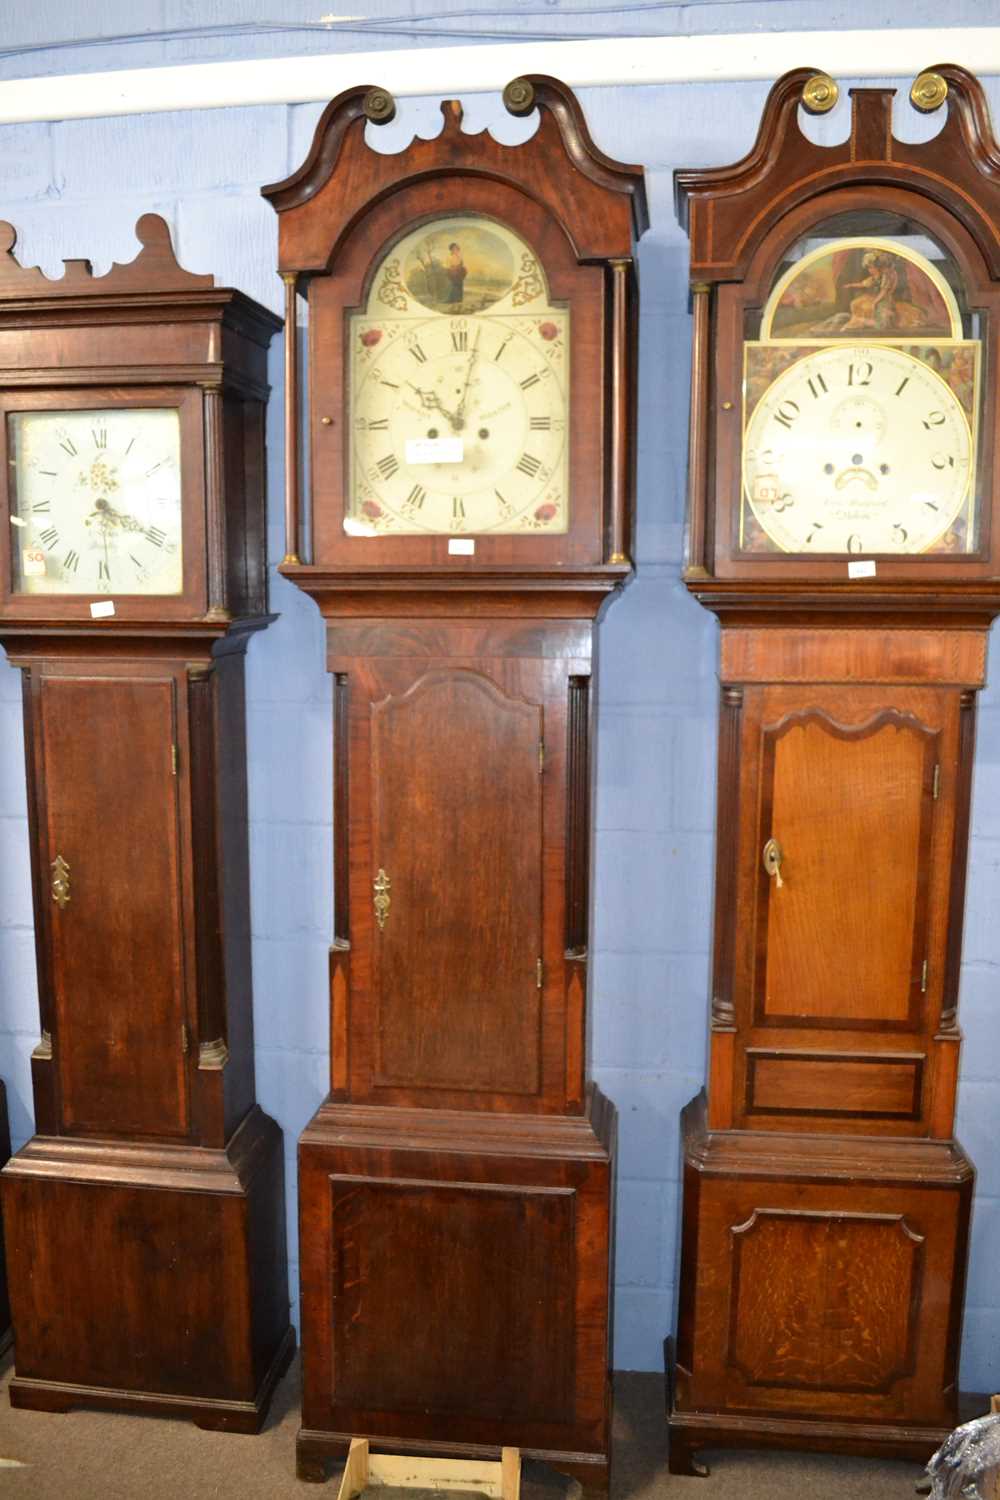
(97, 1456)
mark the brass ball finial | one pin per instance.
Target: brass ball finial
(929, 92)
(379, 106)
(519, 97)
(820, 94)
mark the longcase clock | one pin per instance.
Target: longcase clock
(470, 396)
(845, 529)
(145, 1219)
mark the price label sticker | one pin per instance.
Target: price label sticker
(33, 562)
(446, 450)
(861, 570)
(102, 610)
(461, 547)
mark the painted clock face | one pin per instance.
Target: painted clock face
(857, 449)
(459, 389)
(96, 501)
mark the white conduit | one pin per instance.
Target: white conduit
(412, 71)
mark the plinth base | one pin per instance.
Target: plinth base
(455, 1275)
(150, 1278)
(822, 1282)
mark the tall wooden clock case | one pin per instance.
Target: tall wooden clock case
(845, 529)
(145, 1219)
(470, 400)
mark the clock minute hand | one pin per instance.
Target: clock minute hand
(460, 414)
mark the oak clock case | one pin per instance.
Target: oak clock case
(470, 400)
(842, 526)
(145, 1218)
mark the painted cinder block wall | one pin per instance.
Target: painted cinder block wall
(76, 189)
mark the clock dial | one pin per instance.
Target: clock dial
(96, 501)
(459, 397)
(857, 449)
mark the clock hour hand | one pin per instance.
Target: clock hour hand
(431, 401)
(109, 517)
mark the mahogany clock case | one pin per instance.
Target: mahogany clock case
(145, 1219)
(826, 1203)
(456, 1187)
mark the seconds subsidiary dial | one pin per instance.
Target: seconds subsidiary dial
(96, 503)
(857, 450)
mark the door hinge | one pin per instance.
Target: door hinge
(539, 973)
(173, 760)
(541, 757)
(936, 787)
(185, 1042)
(923, 978)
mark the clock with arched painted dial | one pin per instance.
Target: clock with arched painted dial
(857, 449)
(459, 388)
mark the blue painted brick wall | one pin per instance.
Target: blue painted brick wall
(76, 189)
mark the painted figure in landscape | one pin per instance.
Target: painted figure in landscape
(861, 290)
(461, 273)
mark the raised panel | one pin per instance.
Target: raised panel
(457, 831)
(453, 1298)
(820, 1083)
(122, 1260)
(824, 1301)
(842, 941)
(118, 979)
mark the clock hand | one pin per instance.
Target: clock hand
(460, 414)
(431, 401)
(111, 517)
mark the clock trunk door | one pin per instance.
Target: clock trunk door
(847, 846)
(112, 892)
(456, 888)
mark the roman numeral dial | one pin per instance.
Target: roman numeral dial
(96, 501)
(861, 451)
(458, 420)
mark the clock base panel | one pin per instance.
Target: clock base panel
(822, 1284)
(150, 1277)
(455, 1272)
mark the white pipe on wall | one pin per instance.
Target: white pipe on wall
(412, 71)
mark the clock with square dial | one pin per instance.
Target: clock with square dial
(459, 388)
(96, 501)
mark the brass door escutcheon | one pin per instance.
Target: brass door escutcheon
(773, 856)
(60, 881)
(382, 887)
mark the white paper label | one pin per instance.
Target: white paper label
(461, 547)
(102, 610)
(33, 562)
(446, 450)
(861, 570)
(17, 521)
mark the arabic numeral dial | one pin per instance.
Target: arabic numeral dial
(860, 451)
